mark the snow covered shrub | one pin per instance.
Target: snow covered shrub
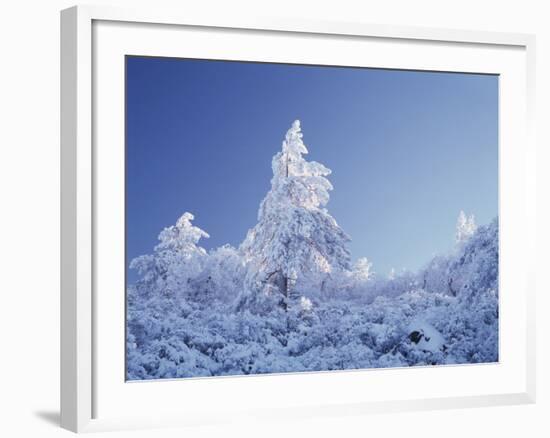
(221, 276)
(475, 268)
(357, 283)
(305, 304)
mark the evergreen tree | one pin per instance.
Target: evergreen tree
(296, 244)
(176, 259)
(362, 270)
(465, 227)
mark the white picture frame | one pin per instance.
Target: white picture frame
(93, 392)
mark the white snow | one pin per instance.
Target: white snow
(429, 338)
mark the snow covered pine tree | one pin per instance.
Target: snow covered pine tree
(297, 244)
(176, 260)
(465, 227)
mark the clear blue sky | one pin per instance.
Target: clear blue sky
(408, 150)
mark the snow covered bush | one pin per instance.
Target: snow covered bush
(289, 299)
(221, 276)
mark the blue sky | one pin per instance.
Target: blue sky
(408, 150)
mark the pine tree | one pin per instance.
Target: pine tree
(465, 227)
(296, 244)
(362, 270)
(176, 259)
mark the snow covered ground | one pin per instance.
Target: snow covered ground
(289, 299)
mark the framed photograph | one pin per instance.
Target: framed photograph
(284, 218)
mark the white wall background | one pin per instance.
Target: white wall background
(29, 216)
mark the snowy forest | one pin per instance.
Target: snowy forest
(289, 298)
